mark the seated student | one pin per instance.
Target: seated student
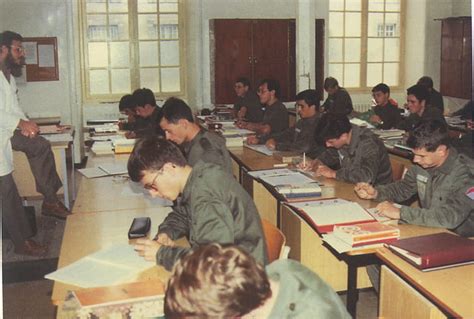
(338, 100)
(217, 281)
(127, 107)
(275, 119)
(213, 206)
(197, 143)
(420, 111)
(354, 154)
(442, 178)
(148, 111)
(248, 105)
(300, 137)
(435, 98)
(386, 114)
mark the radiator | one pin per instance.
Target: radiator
(361, 107)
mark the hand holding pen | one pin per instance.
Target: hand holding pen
(365, 191)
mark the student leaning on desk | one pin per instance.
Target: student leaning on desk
(442, 178)
(212, 206)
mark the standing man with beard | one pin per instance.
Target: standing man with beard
(18, 133)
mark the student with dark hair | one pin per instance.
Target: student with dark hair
(148, 111)
(354, 154)
(387, 115)
(275, 119)
(215, 281)
(301, 136)
(127, 107)
(435, 98)
(197, 143)
(420, 111)
(338, 100)
(442, 178)
(247, 107)
(212, 205)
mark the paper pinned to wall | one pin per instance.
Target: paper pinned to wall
(46, 56)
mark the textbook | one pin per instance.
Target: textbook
(124, 146)
(299, 192)
(366, 233)
(435, 251)
(288, 157)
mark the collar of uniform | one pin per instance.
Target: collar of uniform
(187, 146)
(448, 164)
(311, 119)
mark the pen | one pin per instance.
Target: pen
(304, 159)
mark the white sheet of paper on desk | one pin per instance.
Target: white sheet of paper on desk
(295, 178)
(114, 168)
(110, 266)
(92, 172)
(341, 246)
(270, 172)
(261, 149)
(61, 137)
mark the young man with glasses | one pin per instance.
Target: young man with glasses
(211, 206)
(247, 107)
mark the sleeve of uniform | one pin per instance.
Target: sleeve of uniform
(279, 121)
(399, 191)
(167, 256)
(285, 139)
(176, 224)
(210, 154)
(329, 158)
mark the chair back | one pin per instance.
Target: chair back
(275, 240)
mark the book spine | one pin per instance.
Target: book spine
(452, 256)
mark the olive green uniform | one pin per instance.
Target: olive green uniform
(339, 102)
(299, 137)
(429, 114)
(443, 194)
(213, 208)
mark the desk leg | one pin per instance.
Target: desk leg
(73, 177)
(352, 291)
(65, 177)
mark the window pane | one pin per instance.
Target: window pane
(392, 24)
(336, 22)
(335, 70)
(351, 75)
(352, 50)
(98, 53)
(374, 74)
(149, 53)
(376, 5)
(169, 53)
(118, 27)
(119, 54)
(118, 6)
(120, 81)
(392, 5)
(335, 50)
(392, 49)
(375, 26)
(95, 6)
(336, 5)
(99, 81)
(168, 6)
(147, 26)
(96, 27)
(169, 26)
(352, 24)
(390, 74)
(353, 5)
(170, 80)
(149, 78)
(374, 50)
(147, 6)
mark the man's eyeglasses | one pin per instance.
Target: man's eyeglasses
(18, 49)
(151, 185)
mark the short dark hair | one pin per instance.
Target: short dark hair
(7, 37)
(216, 281)
(419, 91)
(381, 87)
(244, 81)
(144, 96)
(429, 135)
(127, 102)
(176, 109)
(331, 125)
(330, 83)
(152, 153)
(310, 97)
(426, 81)
(272, 85)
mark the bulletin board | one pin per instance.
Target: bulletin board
(41, 58)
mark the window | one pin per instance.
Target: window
(365, 39)
(129, 44)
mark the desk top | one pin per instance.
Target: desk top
(252, 160)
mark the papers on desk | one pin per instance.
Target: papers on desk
(106, 169)
(389, 134)
(342, 247)
(360, 122)
(102, 148)
(61, 137)
(282, 177)
(261, 148)
(111, 266)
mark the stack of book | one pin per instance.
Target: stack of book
(124, 146)
(299, 192)
(366, 234)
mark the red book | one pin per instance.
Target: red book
(435, 251)
(366, 233)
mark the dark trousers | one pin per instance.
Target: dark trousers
(41, 159)
(14, 219)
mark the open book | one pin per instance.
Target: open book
(106, 169)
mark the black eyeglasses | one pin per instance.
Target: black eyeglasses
(151, 185)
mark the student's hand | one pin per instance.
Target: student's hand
(165, 240)
(375, 119)
(121, 124)
(241, 124)
(241, 113)
(310, 165)
(270, 144)
(388, 209)
(252, 140)
(147, 248)
(325, 171)
(130, 134)
(365, 191)
(28, 128)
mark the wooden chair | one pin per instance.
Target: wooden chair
(275, 240)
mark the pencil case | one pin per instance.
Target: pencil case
(139, 228)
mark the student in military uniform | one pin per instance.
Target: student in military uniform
(354, 154)
(301, 136)
(127, 107)
(247, 106)
(435, 98)
(386, 115)
(442, 178)
(148, 111)
(212, 205)
(338, 101)
(197, 143)
(217, 281)
(420, 110)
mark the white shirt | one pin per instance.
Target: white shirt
(10, 115)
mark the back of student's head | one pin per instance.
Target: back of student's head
(272, 85)
(176, 109)
(310, 97)
(330, 83)
(381, 87)
(426, 81)
(419, 91)
(331, 125)
(7, 38)
(244, 81)
(216, 281)
(152, 153)
(144, 96)
(429, 135)
(127, 102)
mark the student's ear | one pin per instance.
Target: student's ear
(441, 150)
(183, 122)
(169, 167)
